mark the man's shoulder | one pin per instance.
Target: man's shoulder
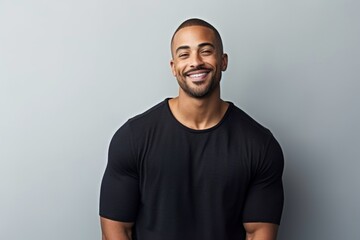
(241, 119)
(152, 113)
(149, 118)
(143, 122)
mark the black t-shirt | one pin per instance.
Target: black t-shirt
(179, 183)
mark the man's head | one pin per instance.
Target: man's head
(197, 58)
(198, 22)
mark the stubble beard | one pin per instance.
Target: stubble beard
(200, 91)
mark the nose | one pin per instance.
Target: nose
(196, 60)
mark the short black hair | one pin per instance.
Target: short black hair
(199, 22)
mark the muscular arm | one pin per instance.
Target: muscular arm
(113, 230)
(260, 231)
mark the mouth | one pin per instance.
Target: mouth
(198, 75)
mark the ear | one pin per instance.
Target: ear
(224, 62)
(172, 65)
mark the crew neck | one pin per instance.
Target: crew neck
(177, 122)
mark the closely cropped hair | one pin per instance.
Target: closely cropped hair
(199, 22)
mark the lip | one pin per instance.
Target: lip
(197, 75)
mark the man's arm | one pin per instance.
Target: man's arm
(260, 231)
(114, 230)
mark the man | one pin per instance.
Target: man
(194, 166)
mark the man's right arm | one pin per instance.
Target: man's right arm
(119, 193)
(114, 230)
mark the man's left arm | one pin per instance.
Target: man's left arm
(260, 231)
(265, 196)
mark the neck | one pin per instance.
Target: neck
(198, 113)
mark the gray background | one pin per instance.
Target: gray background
(72, 72)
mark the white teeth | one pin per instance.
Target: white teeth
(197, 75)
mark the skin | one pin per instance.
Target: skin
(114, 230)
(195, 50)
(197, 64)
(260, 231)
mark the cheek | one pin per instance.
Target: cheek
(173, 69)
(178, 69)
(176, 72)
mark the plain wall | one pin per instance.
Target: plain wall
(72, 72)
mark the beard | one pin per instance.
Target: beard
(201, 90)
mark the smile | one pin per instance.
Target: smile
(197, 75)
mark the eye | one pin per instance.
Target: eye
(206, 52)
(183, 55)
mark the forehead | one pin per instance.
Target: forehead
(193, 36)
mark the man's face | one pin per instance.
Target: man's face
(197, 61)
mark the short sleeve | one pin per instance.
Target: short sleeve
(119, 194)
(265, 198)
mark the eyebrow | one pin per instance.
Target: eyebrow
(200, 45)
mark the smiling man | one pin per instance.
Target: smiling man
(193, 166)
